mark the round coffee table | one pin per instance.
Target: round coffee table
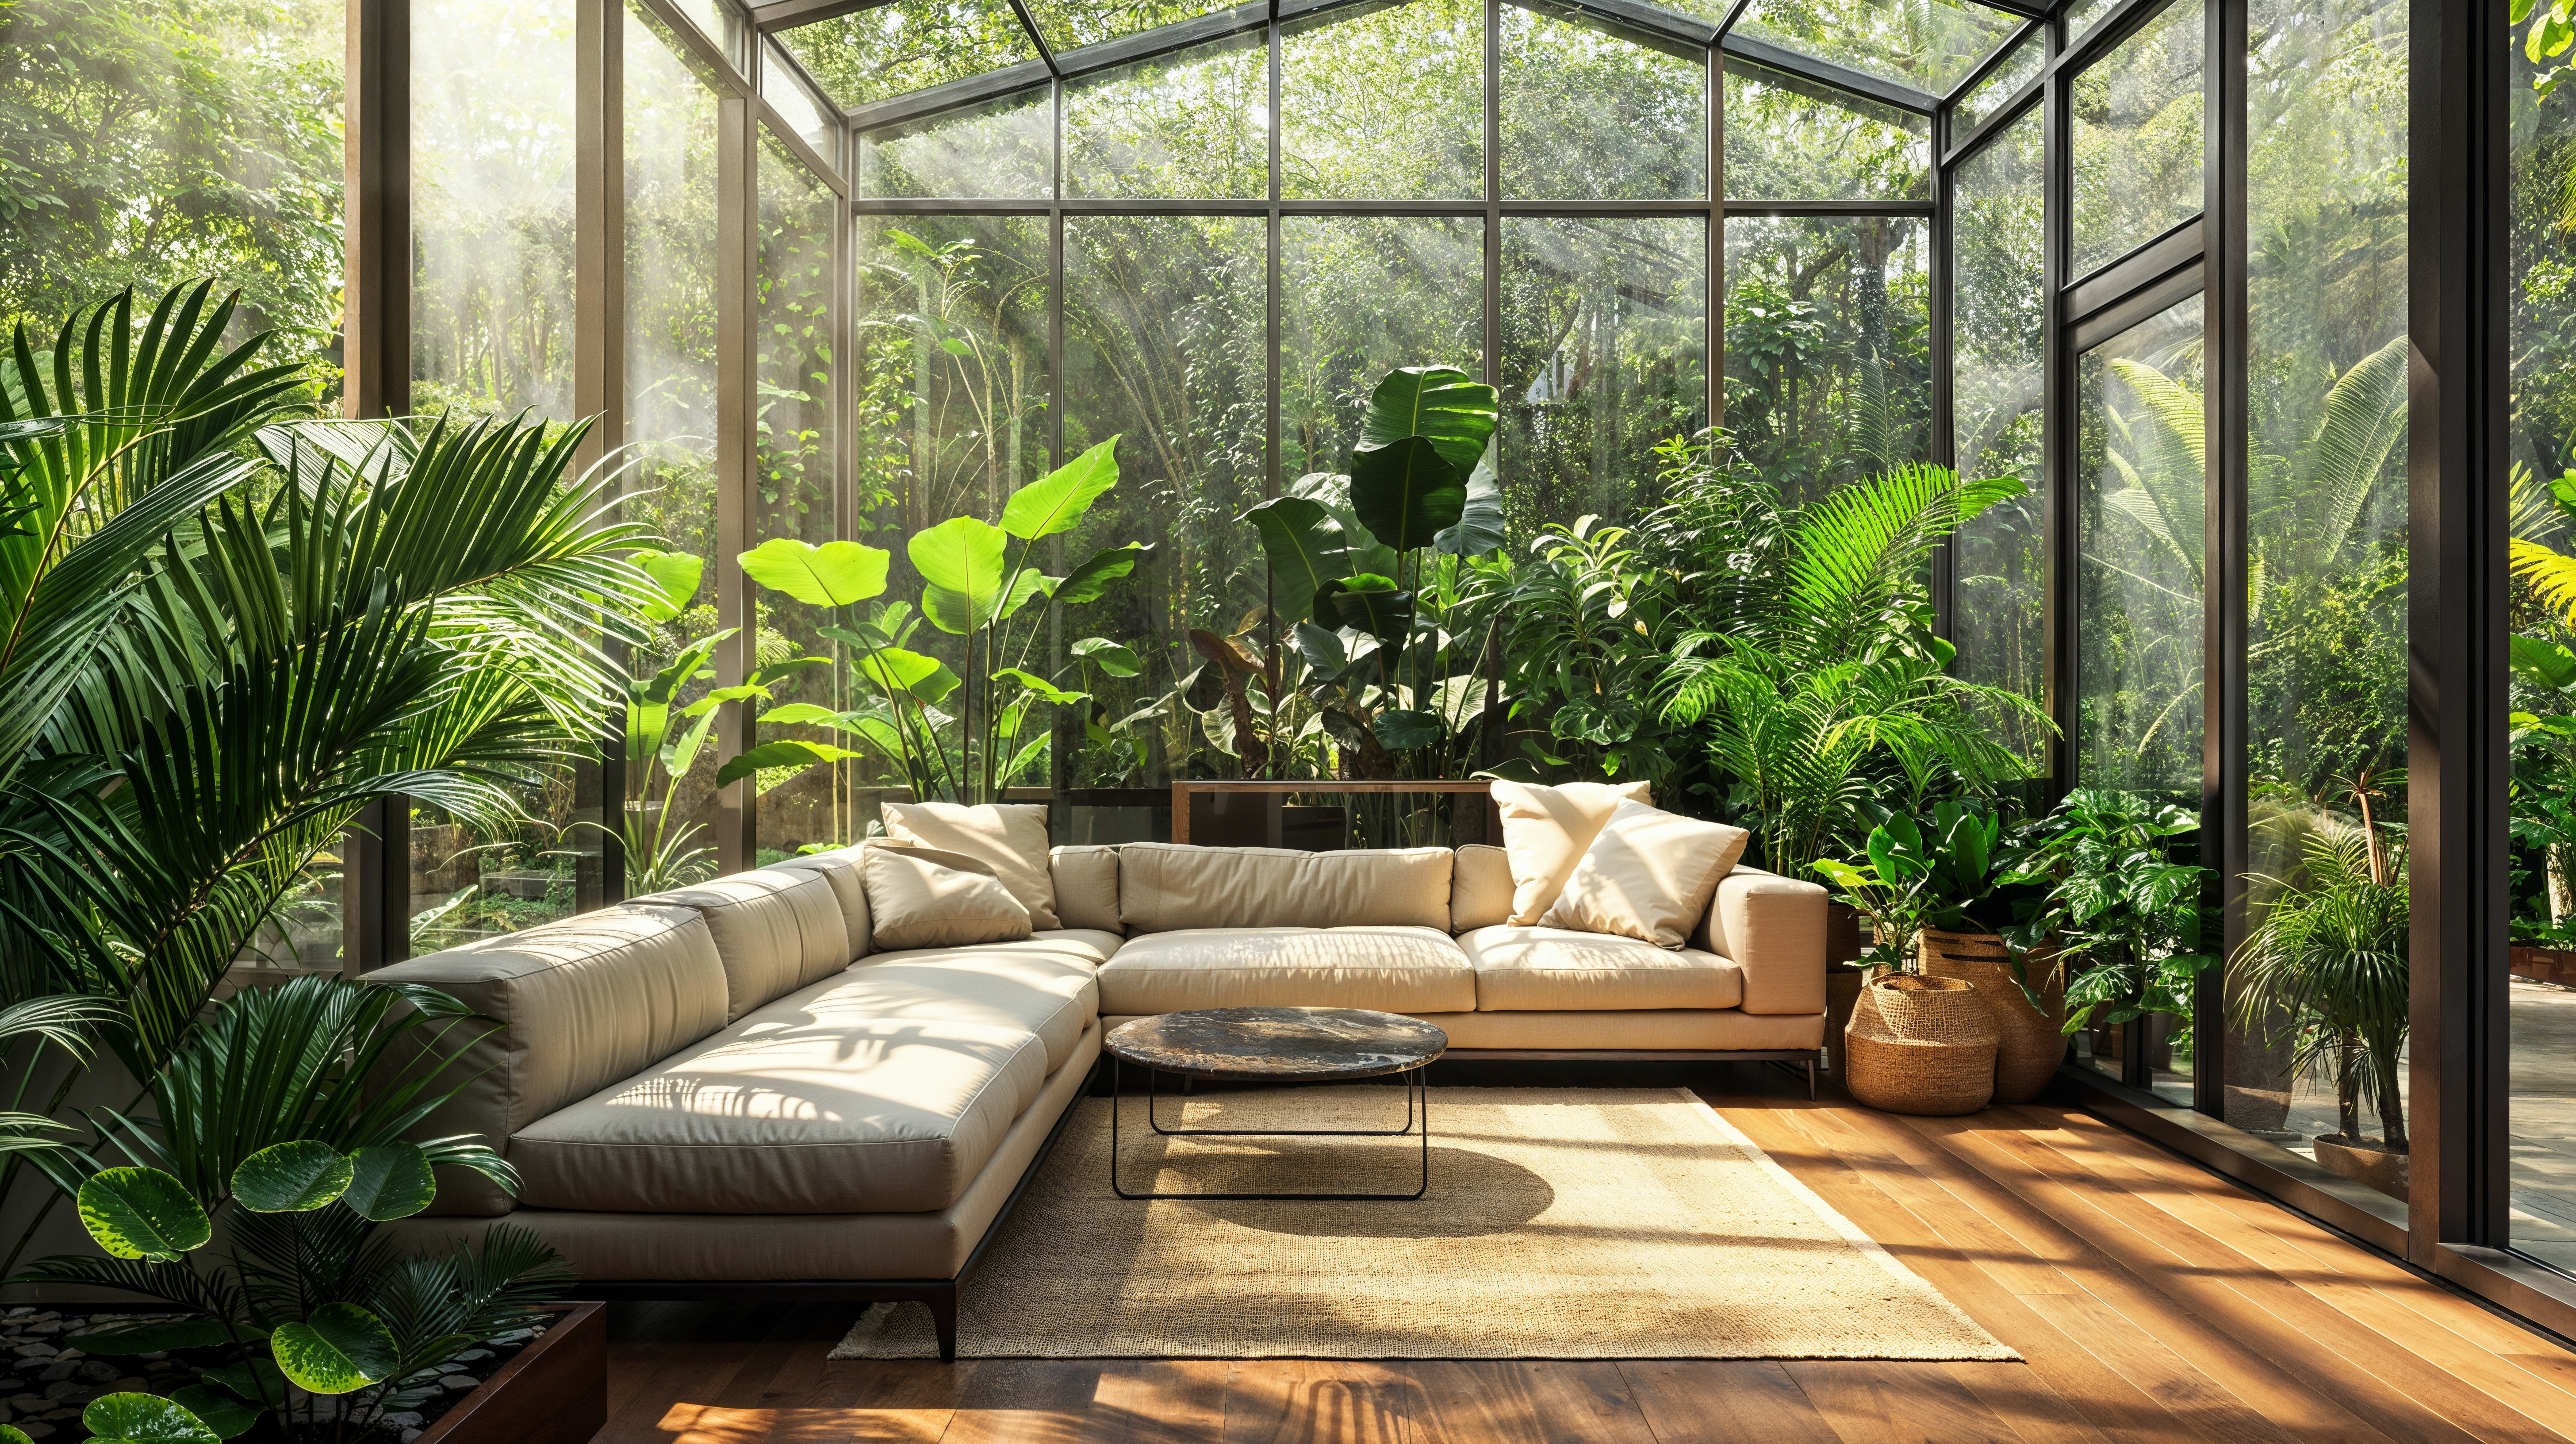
(1277, 1045)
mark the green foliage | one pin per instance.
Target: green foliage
(2328, 965)
(1915, 879)
(2121, 909)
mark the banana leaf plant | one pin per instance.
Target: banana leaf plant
(249, 1198)
(979, 581)
(1366, 570)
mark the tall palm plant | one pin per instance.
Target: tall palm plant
(224, 631)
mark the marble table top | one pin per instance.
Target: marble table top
(1249, 1045)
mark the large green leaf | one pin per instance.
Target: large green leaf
(1373, 604)
(1306, 547)
(957, 613)
(1056, 502)
(227, 1416)
(120, 1340)
(835, 574)
(2544, 662)
(1090, 581)
(1040, 688)
(390, 1181)
(965, 557)
(1110, 657)
(337, 1349)
(296, 1177)
(143, 1213)
(1407, 493)
(786, 752)
(900, 673)
(143, 1419)
(1398, 731)
(1480, 521)
(677, 574)
(1437, 403)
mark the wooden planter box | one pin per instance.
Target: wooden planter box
(2546, 965)
(554, 1391)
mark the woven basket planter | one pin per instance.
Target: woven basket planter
(1921, 1045)
(2030, 1045)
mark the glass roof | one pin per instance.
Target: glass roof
(907, 46)
(1069, 24)
(1928, 44)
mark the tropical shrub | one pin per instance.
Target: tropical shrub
(2121, 907)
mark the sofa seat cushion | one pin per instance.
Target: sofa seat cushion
(1555, 969)
(1392, 969)
(881, 1090)
(1044, 984)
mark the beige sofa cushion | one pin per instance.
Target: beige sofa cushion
(1648, 875)
(1480, 888)
(922, 898)
(1393, 969)
(1545, 831)
(1042, 983)
(776, 928)
(1540, 969)
(840, 867)
(1165, 886)
(1011, 838)
(1773, 928)
(879, 1091)
(1086, 887)
(580, 1004)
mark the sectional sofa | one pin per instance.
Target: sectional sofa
(725, 1091)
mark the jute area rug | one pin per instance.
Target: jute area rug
(1561, 1224)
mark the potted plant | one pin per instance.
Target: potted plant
(248, 1199)
(2329, 961)
(2117, 924)
(1917, 885)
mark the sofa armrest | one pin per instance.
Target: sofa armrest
(1773, 929)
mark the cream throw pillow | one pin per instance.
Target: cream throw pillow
(1546, 829)
(1649, 876)
(1010, 838)
(922, 898)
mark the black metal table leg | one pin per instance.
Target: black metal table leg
(1416, 1082)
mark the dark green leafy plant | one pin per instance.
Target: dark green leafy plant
(2121, 912)
(267, 1131)
(1916, 878)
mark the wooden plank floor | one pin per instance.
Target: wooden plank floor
(2152, 1302)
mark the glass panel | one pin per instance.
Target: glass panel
(2326, 622)
(2542, 437)
(795, 105)
(1793, 139)
(713, 20)
(794, 446)
(492, 316)
(998, 150)
(1360, 296)
(1928, 44)
(1070, 23)
(2141, 476)
(492, 208)
(1193, 123)
(2137, 138)
(1827, 370)
(670, 146)
(907, 46)
(1164, 324)
(1589, 114)
(2083, 15)
(2001, 83)
(1998, 596)
(1389, 104)
(1603, 357)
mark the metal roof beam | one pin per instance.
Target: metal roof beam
(1825, 72)
(954, 95)
(780, 14)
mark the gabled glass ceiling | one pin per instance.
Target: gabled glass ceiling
(895, 49)
(909, 45)
(1928, 44)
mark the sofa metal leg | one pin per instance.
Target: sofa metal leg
(942, 1303)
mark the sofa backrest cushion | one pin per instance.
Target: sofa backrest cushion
(1546, 829)
(1648, 875)
(579, 1004)
(1086, 887)
(1480, 889)
(1167, 886)
(921, 897)
(840, 867)
(1010, 838)
(776, 928)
